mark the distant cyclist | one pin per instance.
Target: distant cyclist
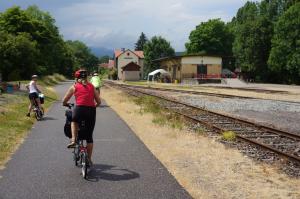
(33, 94)
(96, 81)
(86, 99)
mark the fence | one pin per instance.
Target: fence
(207, 76)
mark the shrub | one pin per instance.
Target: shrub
(229, 136)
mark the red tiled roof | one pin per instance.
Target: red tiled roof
(111, 63)
(118, 53)
(104, 65)
(140, 54)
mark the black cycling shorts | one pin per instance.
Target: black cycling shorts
(85, 116)
(33, 96)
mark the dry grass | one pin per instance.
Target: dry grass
(204, 167)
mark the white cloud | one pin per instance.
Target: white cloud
(116, 23)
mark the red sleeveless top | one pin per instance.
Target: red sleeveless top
(84, 94)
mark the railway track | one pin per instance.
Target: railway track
(208, 94)
(284, 144)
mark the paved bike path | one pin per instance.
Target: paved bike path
(123, 167)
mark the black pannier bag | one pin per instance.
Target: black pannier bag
(67, 128)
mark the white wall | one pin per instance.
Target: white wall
(199, 59)
(125, 59)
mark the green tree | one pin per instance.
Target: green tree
(104, 59)
(41, 27)
(253, 29)
(52, 45)
(211, 37)
(33, 37)
(17, 55)
(157, 47)
(285, 54)
(139, 45)
(250, 43)
(83, 56)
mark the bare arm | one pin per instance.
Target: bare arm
(35, 86)
(27, 86)
(68, 95)
(97, 98)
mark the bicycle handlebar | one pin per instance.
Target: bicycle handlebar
(70, 105)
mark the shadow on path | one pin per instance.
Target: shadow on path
(110, 173)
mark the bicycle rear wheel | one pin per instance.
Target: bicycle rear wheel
(84, 165)
(38, 114)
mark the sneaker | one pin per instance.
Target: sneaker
(71, 145)
(28, 114)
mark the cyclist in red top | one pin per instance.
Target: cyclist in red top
(85, 109)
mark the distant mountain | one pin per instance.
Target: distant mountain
(100, 51)
(179, 53)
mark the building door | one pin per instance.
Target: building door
(174, 72)
(202, 69)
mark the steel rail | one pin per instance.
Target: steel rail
(260, 126)
(204, 93)
(219, 130)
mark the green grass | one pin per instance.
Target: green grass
(162, 117)
(14, 124)
(161, 121)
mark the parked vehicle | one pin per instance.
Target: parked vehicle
(226, 73)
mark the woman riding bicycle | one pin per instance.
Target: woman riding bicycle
(85, 109)
(33, 94)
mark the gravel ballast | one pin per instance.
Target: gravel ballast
(283, 115)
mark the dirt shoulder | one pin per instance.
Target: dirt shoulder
(203, 166)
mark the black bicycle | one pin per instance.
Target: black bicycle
(80, 155)
(38, 112)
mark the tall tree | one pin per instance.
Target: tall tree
(139, 45)
(30, 42)
(212, 37)
(157, 47)
(285, 54)
(104, 59)
(253, 30)
(83, 56)
(247, 46)
(17, 56)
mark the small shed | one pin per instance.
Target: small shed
(131, 72)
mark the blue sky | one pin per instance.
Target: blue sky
(118, 23)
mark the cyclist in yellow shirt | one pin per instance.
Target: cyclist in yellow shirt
(96, 81)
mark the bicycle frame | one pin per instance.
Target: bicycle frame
(80, 150)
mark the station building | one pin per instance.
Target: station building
(204, 68)
(129, 64)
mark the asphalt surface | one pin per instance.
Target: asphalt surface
(123, 167)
